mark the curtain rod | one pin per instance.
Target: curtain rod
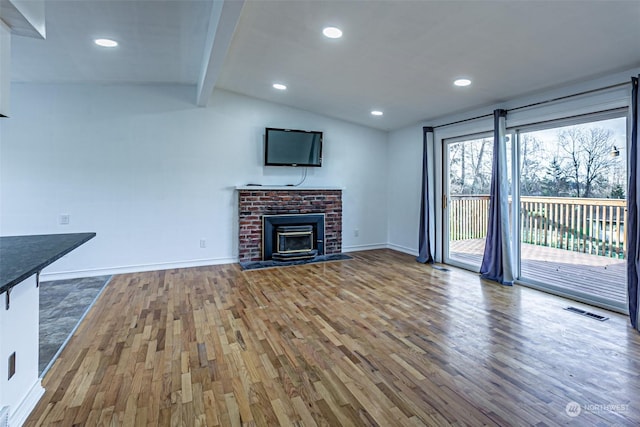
(535, 104)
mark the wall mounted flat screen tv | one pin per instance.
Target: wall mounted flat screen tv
(290, 147)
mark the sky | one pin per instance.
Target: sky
(617, 125)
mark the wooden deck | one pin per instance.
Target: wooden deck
(602, 277)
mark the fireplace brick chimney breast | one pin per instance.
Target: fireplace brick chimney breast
(254, 203)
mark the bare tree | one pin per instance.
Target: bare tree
(456, 166)
(470, 166)
(530, 169)
(479, 184)
(587, 152)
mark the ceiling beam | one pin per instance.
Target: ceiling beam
(24, 17)
(222, 24)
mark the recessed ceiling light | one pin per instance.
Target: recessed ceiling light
(376, 113)
(462, 82)
(106, 42)
(332, 32)
(279, 86)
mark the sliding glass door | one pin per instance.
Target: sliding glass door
(572, 208)
(568, 205)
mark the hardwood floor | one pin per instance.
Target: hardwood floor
(376, 340)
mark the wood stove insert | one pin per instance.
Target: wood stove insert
(291, 237)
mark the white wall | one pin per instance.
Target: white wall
(153, 174)
(5, 67)
(405, 188)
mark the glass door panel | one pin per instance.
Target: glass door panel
(466, 202)
(572, 186)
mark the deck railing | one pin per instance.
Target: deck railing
(468, 216)
(593, 226)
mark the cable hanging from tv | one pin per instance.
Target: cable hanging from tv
(304, 177)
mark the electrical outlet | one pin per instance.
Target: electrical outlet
(64, 219)
(12, 365)
(203, 243)
(356, 232)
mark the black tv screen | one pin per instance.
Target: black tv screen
(290, 147)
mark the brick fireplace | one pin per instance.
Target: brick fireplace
(255, 203)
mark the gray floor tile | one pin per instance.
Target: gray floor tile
(62, 305)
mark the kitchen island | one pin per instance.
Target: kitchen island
(22, 258)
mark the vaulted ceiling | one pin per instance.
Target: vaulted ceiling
(399, 57)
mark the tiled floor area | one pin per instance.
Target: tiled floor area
(63, 303)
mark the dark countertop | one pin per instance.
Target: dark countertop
(23, 256)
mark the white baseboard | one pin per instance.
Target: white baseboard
(391, 246)
(355, 248)
(22, 412)
(403, 249)
(65, 275)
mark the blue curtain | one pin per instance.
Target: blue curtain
(425, 252)
(496, 262)
(633, 204)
